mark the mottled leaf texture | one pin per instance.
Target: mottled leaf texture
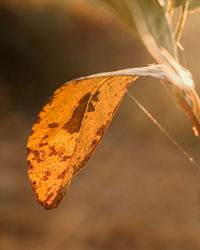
(70, 126)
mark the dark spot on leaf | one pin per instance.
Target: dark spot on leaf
(38, 120)
(30, 166)
(53, 125)
(49, 196)
(46, 176)
(43, 153)
(91, 107)
(53, 151)
(94, 143)
(32, 131)
(43, 144)
(34, 182)
(37, 156)
(65, 157)
(45, 137)
(55, 202)
(29, 151)
(74, 124)
(85, 160)
(101, 130)
(62, 175)
(95, 97)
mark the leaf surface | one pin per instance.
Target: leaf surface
(71, 125)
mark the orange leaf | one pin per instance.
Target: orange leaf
(70, 126)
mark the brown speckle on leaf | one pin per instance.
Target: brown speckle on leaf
(65, 157)
(101, 130)
(30, 166)
(53, 125)
(38, 119)
(37, 156)
(94, 143)
(43, 144)
(45, 137)
(74, 124)
(53, 151)
(46, 176)
(74, 167)
(29, 151)
(85, 160)
(32, 132)
(95, 97)
(62, 175)
(49, 197)
(91, 107)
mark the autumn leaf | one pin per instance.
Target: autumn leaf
(71, 125)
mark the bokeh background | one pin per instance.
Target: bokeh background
(137, 191)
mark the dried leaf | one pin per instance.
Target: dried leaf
(70, 126)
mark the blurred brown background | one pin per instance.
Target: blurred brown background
(137, 191)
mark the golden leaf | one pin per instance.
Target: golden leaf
(70, 126)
